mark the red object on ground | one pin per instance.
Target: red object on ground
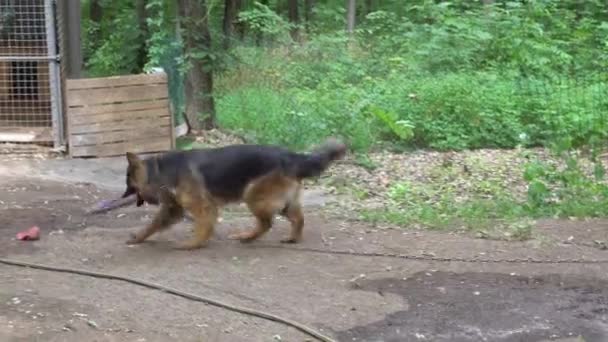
(29, 235)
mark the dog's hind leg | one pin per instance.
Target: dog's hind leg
(265, 198)
(293, 212)
(264, 215)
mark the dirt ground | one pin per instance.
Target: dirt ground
(350, 298)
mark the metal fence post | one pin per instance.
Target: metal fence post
(54, 75)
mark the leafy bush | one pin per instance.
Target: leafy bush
(261, 20)
(117, 55)
(436, 74)
(567, 189)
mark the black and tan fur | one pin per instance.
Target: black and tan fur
(267, 178)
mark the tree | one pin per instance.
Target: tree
(294, 18)
(95, 11)
(350, 16)
(308, 6)
(200, 106)
(231, 11)
(142, 25)
(95, 15)
(369, 6)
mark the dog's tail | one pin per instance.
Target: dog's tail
(314, 163)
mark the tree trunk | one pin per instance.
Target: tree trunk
(231, 11)
(142, 24)
(95, 11)
(294, 19)
(308, 6)
(369, 6)
(350, 16)
(200, 106)
(95, 15)
(71, 27)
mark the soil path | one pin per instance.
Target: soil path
(350, 298)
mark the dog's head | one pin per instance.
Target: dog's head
(137, 178)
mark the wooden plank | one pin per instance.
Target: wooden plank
(128, 125)
(111, 95)
(150, 114)
(112, 115)
(116, 81)
(113, 124)
(158, 132)
(118, 107)
(135, 146)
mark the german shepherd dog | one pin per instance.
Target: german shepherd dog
(267, 178)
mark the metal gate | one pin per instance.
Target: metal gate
(30, 87)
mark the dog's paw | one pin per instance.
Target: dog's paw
(235, 236)
(133, 239)
(188, 246)
(289, 240)
(243, 237)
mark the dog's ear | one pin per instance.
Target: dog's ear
(133, 159)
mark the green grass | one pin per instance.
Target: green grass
(405, 109)
(188, 143)
(486, 205)
(294, 118)
(486, 218)
(438, 206)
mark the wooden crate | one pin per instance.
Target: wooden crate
(113, 115)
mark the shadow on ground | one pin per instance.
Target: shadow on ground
(488, 307)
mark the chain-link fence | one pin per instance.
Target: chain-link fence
(297, 105)
(574, 106)
(29, 72)
(169, 63)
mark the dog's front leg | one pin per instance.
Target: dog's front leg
(170, 213)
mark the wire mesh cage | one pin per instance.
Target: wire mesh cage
(28, 71)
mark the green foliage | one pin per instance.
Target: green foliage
(162, 41)
(402, 129)
(536, 37)
(188, 143)
(445, 76)
(487, 209)
(568, 185)
(261, 20)
(116, 53)
(567, 189)
(291, 119)
(454, 110)
(165, 51)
